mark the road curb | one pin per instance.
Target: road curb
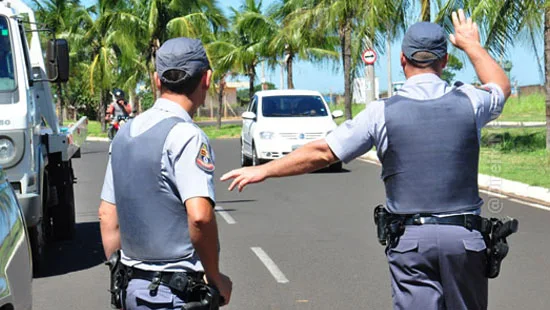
(513, 189)
(97, 139)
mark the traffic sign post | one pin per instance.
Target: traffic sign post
(369, 57)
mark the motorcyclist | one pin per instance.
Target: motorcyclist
(119, 107)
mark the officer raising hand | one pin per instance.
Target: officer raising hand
(427, 138)
(158, 196)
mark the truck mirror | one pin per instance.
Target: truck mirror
(57, 60)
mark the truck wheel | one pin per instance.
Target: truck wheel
(63, 214)
(37, 239)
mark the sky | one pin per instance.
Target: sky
(324, 79)
(328, 79)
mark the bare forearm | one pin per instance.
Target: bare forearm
(204, 236)
(487, 69)
(108, 224)
(310, 157)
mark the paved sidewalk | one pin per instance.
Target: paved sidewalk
(515, 124)
(499, 186)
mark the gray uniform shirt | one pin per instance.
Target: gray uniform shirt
(180, 166)
(356, 137)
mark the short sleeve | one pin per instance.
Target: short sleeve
(357, 136)
(108, 190)
(194, 163)
(488, 102)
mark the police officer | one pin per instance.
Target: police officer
(427, 137)
(158, 196)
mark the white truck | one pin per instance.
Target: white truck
(35, 152)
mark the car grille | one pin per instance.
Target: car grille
(301, 136)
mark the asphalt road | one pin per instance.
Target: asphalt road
(316, 231)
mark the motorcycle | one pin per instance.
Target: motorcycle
(115, 125)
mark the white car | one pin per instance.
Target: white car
(279, 121)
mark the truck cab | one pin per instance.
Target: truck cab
(34, 151)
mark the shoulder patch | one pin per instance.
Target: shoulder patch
(204, 159)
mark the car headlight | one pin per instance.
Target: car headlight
(266, 135)
(7, 151)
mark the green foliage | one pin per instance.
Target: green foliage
(242, 94)
(147, 100)
(226, 131)
(453, 65)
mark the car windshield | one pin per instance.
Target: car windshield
(293, 106)
(7, 77)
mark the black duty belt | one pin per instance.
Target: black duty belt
(469, 221)
(166, 278)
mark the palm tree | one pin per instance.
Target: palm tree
(59, 16)
(352, 21)
(246, 42)
(168, 18)
(109, 36)
(295, 40)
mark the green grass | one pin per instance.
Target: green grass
(524, 108)
(226, 132)
(516, 154)
(355, 109)
(94, 130)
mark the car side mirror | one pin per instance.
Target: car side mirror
(57, 61)
(337, 114)
(249, 115)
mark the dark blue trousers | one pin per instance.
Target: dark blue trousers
(139, 297)
(438, 267)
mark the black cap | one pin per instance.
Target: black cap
(425, 37)
(183, 54)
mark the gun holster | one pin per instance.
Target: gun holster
(389, 227)
(202, 297)
(118, 280)
(497, 246)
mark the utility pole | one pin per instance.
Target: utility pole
(388, 54)
(369, 58)
(282, 85)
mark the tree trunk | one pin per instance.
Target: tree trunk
(345, 42)
(102, 109)
(60, 103)
(289, 74)
(220, 101)
(425, 11)
(155, 44)
(547, 67)
(252, 77)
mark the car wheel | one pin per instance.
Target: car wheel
(336, 167)
(255, 159)
(245, 161)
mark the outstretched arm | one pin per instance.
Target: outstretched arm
(310, 157)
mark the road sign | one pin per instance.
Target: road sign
(369, 57)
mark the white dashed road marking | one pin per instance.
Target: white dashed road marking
(228, 218)
(270, 265)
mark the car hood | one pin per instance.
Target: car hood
(297, 124)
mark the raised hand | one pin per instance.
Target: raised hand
(466, 32)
